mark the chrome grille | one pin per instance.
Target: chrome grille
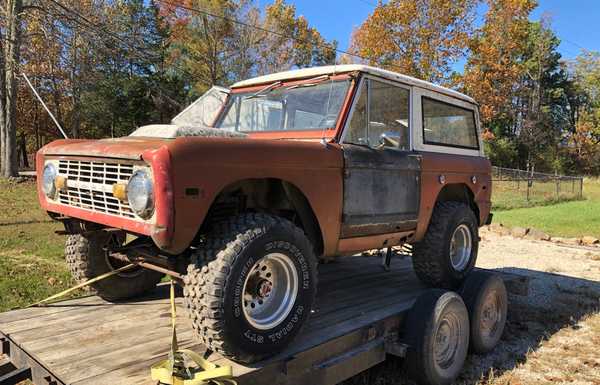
(89, 185)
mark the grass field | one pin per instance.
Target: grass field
(567, 219)
(31, 255)
(511, 194)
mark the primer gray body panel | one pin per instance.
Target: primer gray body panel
(381, 191)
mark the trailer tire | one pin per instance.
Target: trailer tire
(437, 334)
(240, 290)
(437, 260)
(87, 259)
(487, 302)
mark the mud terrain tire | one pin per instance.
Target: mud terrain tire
(432, 260)
(238, 252)
(87, 259)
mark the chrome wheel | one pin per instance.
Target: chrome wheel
(461, 245)
(270, 291)
(447, 341)
(491, 315)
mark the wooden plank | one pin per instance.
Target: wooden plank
(153, 349)
(91, 341)
(52, 326)
(35, 312)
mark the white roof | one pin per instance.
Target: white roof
(344, 68)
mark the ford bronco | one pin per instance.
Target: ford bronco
(249, 187)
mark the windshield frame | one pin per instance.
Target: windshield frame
(327, 133)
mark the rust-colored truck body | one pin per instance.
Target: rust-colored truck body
(190, 173)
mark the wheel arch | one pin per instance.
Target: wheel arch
(268, 195)
(459, 192)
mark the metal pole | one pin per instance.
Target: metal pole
(44, 104)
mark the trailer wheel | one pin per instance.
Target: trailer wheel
(437, 333)
(87, 259)
(253, 297)
(487, 302)
(448, 251)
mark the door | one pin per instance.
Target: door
(382, 174)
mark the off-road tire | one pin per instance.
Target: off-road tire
(420, 334)
(431, 256)
(87, 259)
(219, 271)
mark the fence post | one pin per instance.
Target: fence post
(557, 185)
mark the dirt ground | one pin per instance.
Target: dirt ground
(552, 335)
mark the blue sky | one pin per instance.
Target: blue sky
(576, 22)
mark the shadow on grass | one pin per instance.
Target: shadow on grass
(554, 302)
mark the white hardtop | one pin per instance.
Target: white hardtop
(345, 68)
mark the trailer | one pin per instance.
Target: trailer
(359, 319)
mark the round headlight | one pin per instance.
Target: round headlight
(140, 194)
(48, 177)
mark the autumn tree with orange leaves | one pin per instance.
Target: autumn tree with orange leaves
(494, 65)
(421, 38)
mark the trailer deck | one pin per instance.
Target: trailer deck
(355, 323)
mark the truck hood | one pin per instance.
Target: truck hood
(143, 139)
(121, 148)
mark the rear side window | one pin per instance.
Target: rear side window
(448, 125)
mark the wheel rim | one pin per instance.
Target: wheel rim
(270, 291)
(447, 340)
(461, 245)
(491, 315)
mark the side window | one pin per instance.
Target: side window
(388, 115)
(357, 128)
(381, 116)
(448, 125)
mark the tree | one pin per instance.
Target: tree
(421, 38)
(8, 104)
(294, 44)
(201, 45)
(584, 137)
(494, 65)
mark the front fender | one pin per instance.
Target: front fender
(203, 167)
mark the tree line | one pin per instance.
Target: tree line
(105, 67)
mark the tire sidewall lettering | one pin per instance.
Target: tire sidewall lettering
(251, 253)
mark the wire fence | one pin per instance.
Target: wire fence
(518, 188)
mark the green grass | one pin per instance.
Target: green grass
(31, 254)
(509, 194)
(568, 219)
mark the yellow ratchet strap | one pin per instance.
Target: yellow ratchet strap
(81, 285)
(173, 371)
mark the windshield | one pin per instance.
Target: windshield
(275, 108)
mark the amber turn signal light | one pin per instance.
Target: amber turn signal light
(119, 191)
(60, 182)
